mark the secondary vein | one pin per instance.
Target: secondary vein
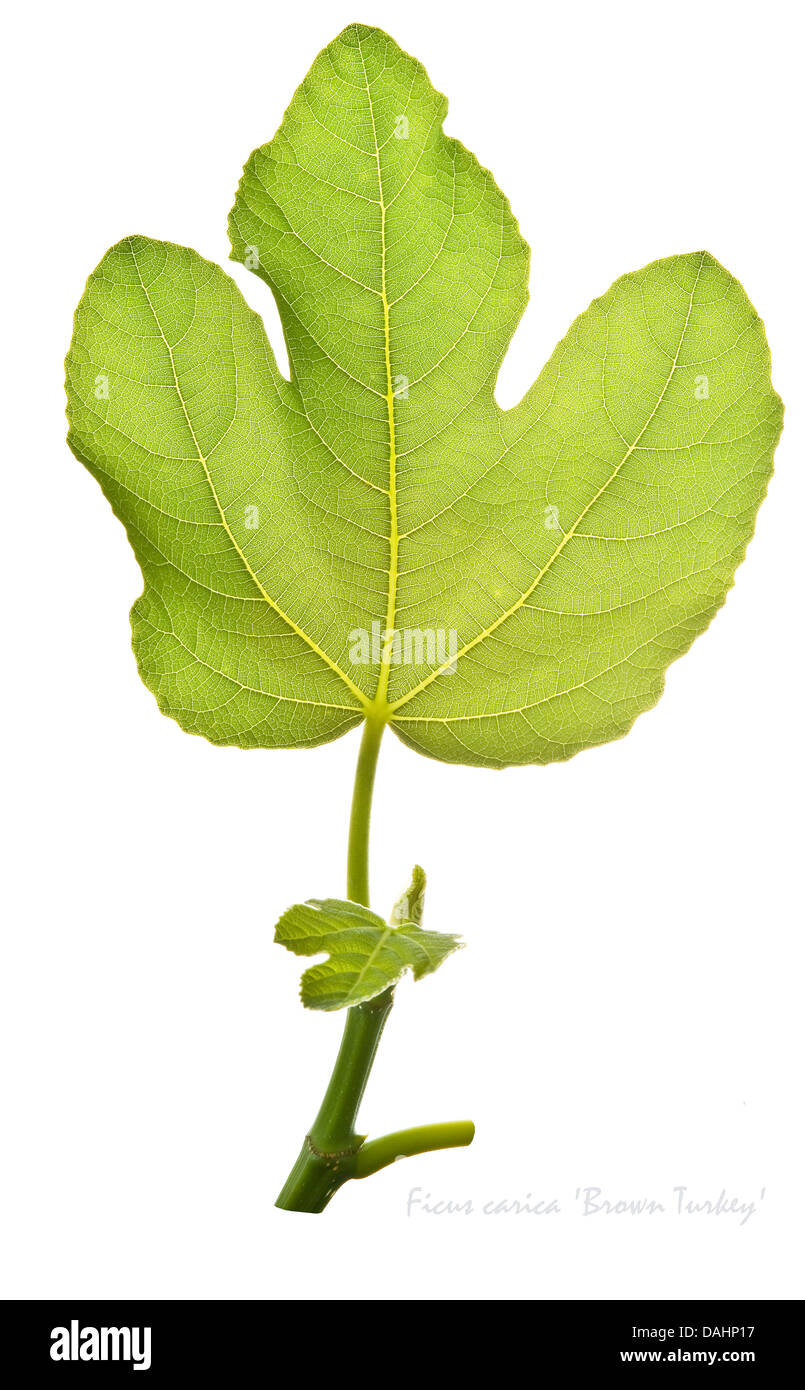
(487, 632)
(300, 632)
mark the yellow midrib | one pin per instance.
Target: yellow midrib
(300, 632)
(380, 700)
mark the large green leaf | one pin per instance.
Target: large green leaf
(568, 549)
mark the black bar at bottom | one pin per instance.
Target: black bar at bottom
(170, 1342)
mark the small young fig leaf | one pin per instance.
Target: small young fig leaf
(367, 955)
(501, 586)
(411, 906)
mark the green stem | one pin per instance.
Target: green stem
(333, 1151)
(334, 1127)
(328, 1153)
(379, 1153)
(361, 813)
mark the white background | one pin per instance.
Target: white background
(628, 1011)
